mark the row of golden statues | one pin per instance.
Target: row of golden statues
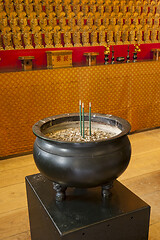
(30, 7)
(24, 29)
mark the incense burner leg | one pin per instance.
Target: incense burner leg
(60, 191)
(106, 190)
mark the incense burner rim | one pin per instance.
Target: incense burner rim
(126, 127)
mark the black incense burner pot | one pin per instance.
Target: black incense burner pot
(82, 164)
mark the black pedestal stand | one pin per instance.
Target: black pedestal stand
(112, 62)
(128, 57)
(135, 57)
(85, 214)
(106, 59)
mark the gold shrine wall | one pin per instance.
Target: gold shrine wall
(65, 23)
(130, 91)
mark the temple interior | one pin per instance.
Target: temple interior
(54, 53)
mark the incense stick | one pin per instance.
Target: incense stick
(80, 117)
(90, 118)
(83, 117)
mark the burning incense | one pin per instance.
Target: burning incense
(80, 117)
(90, 118)
(83, 117)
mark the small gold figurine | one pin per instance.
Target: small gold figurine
(107, 50)
(106, 53)
(136, 50)
(137, 46)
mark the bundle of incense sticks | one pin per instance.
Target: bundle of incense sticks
(81, 118)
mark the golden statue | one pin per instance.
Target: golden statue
(12, 15)
(94, 36)
(67, 37)
(33, 24)
(90, 21)
(76, 9)
(74, 2)
(29, 8)
(101, 9)
(152, 9)
(102, 35)
(19, 8)
(123, 8)
(145, 8)
(116, 7)
(49, 8)
(132, 35)
(131, 7)
(13, 23)
(93, 8)
(85, 8)
(149, 22)
(62, 21)
(77, 37)
(23, 23)
(38, 9)
(7, 38)
(108, 7)
(67, 9)
(120, 20)
(117, 35)
(27, 37)
(71, 21)
(1, 45)
(143, 21)
(158, 8)
(105, 21)
(97, 21)
(135, 19)
(32, 16)
(159, 35)
(42, 21)
(52, 20)
(138, 7)
(9, 7)
(85, 36)
(38, 37)
(57, 37)
(100, 2)
(58, 8)
(139, 35)
(22, 15)
(125, 34)
(80, 21)
(110, 31)
(154, 34)
(48, 37)
(147, 29)
(3, 15)
(17, 38)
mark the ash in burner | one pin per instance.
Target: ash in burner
(73, 135)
